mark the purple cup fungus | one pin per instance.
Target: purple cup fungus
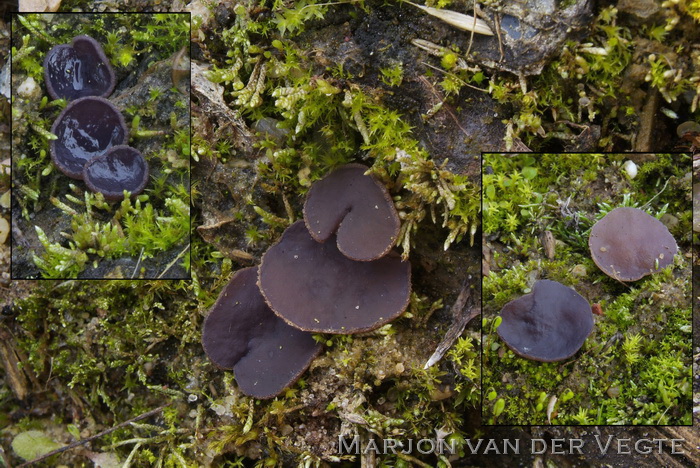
(78, 70)
(86, 128)
(628, 244)
(356, 208)
(549, 324)
(316, 288)
(119, 168)
(243, 334)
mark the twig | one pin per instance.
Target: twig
(411, 459)
(174, 260)
(91, 438)
(647, 204)
(440, 98)
(138, 262)
(462, 318)
(476, 88)
(5, 458)
(497, 20)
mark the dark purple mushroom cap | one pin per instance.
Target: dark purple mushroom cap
(78, 70)
(242, 333)
(120, 168)
(628, 244)
(549, 324)
(86, 128)
(357, 208)
(314, 287)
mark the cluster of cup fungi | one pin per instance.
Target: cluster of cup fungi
(553, 321)
(334, 272)
(91, 133)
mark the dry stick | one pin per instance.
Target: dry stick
(5, 458)
(476, 88)
(498, 34)
(411, 459)
(91, 438)
(136, 268)
(174, 261)
(459, 311)
(447, 107)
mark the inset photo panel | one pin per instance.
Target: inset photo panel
(587, 289)
(100, 146)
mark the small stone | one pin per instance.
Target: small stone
(4, 230)
(630, 168)
(579, 270)
(669, 221)
(641, 9)
(441, 392)
(40, 5)
(687, 127)
(29, 89)
(6, 200)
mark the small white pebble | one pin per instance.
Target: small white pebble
(630, 168)
(29, 89)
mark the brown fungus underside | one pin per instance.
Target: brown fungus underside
(357, 208)
(243, 334)
(549, 324)
(316, 288)
(628, 244)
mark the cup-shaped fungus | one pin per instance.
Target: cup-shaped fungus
(316, 288)
(243, 334)
(628, 244)
(78, 70)
(549, 324)
(86, 128)
(119, 168)
(357, 209)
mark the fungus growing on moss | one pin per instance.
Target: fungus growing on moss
(549, 324)
(357, 208)
(628, 244)
(78, 70)
(243, 334)
(86, 128)
(316, 288)
(119, 168)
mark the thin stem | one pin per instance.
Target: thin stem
(91, 438)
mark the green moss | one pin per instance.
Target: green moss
(327, 120)
(607, 381)
(586, 83)
(392, 76)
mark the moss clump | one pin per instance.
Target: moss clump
(606, 382)
(320, 119)
(592, 83)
